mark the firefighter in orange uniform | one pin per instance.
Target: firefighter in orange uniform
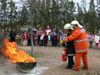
(81, 45)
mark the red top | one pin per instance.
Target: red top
(24, 36)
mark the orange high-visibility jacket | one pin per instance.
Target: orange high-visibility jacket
(80, 37)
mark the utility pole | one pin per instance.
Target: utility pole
(32, 4)
(31, 30)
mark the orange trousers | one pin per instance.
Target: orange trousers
(78, 57)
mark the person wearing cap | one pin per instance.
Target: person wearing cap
(81, 45)
(70, 46)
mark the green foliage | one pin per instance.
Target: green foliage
(12, 13)
(92, 18)
(55, 13)
(89, 19)
(80, 15)
(3, 5)
(24, 16)
(52, 12)
(70, 10)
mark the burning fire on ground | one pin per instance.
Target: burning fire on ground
(15, 55)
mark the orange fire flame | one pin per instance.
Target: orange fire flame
(9, 49)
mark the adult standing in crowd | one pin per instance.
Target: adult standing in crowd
(12, 35)
(1, 36)
(81, 45)
(54, 37)
(24, 38)
(39, 34)
(91, 38)
(97, 39)
(29, 38)
(48, 33)
(34, 32)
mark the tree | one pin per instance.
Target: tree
(24, 18)
(80, 15)
(54, 12)
(66, 11)
(98, 15)
(4, 8)
(12, 15)
(70, 10)
(32, 4)
(92, 26)
(86, 18)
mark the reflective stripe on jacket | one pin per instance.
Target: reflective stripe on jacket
(80, 37)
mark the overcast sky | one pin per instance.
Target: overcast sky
(76, 1)
(79, 1)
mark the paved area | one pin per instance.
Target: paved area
(49, 63)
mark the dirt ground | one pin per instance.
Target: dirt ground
(49, 58)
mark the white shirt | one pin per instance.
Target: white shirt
(97, 38)
(42, 37)
(48, 31)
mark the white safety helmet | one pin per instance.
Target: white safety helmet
(76, 23)
(68, 26)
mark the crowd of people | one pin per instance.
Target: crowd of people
(42, 37)
(50, 36)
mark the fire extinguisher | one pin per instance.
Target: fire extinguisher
(64, 55)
